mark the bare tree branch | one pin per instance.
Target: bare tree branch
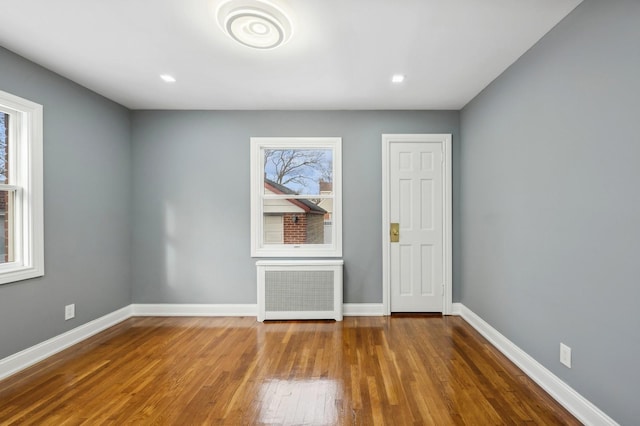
(301, 167)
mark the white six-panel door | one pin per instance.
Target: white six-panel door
(416, 201)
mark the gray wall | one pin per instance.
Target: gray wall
(550, 205)
(86, 209)
(191, 241)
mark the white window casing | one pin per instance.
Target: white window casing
(264, 202)
(26, 164)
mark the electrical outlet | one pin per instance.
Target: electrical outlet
(69, 311)
(565, 355)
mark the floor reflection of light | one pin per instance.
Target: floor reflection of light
(299, 401)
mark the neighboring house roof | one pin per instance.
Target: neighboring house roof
(307, 205)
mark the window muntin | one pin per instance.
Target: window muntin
(21, 211)
(296, 197)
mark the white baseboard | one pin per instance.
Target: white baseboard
(362, 310)
(193, 310)
(456, 309)
(575, 403)
(26, 358)
(181, 310)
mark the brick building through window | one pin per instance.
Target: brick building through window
(292, 220)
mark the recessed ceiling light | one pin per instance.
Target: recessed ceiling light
(397, 78)
(255, 23)
(168, 78)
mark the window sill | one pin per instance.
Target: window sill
(10, 275)
(296, 252)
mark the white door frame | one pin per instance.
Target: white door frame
(445, 140)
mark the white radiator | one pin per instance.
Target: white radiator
(299, 289)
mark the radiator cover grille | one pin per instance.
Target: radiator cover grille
(299, 290)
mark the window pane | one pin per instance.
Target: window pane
(6, 233)
(298, 171)
(297, 221)
(4, 146)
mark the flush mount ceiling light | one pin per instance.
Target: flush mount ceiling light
(255, 23)
(397, 78)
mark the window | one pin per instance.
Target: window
(296, 197)
(21, 212)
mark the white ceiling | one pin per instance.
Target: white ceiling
(341, 56)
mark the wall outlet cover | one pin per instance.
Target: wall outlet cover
(69, 311)
(565, 355)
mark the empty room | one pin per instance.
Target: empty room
(319, 212)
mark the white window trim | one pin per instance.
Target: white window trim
(257, 173)
(26, 127)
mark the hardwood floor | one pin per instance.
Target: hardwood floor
(236, 371)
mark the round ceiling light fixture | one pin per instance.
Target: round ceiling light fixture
(255, 23)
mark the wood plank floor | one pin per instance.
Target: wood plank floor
(236, 371)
